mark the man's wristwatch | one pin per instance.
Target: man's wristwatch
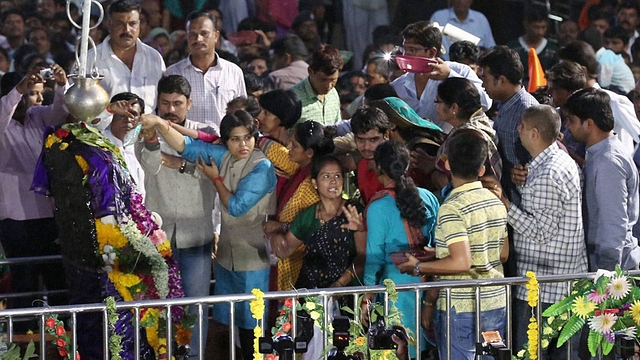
(182, 166)
(416, 269)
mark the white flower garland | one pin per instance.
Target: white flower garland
(143, 244)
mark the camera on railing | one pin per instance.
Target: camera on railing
(285, 346)
(341, 339)
(493, 346)
(379, 336)
(625, 346)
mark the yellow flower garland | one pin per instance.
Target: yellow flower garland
(257, 311)
(532, 299)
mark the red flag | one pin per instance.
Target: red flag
(536, 73)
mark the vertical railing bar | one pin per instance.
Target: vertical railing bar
(478, 319)
(74, 334)
(232, 329)
(169, 333)
(325, 316)
(448, 327)
(105, 334)
(200, 332)
(10, 328)
(507, 333)
(418, 302)
(43, 343)
(136, 332)
(294, 318)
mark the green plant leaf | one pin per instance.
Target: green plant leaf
(30, 351)
(560, 307)
(606, 347)
(571, 328)
(593, 342)
(347, 310)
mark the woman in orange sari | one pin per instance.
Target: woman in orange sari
(307, 142)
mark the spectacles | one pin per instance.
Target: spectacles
(412, 49)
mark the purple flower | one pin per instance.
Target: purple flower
(609, 336)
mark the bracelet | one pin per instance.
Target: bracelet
(183, 165)
(109, 110)
(416, 269)
(218, 178)
(153, 140)
(339, 282)
(426, 303)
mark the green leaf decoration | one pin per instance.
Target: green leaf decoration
(606, 347)
(560, 307)
(593, 342)
(348, 310)
(30, 351)
(572, 327)
(601, 284)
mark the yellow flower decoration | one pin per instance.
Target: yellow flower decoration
(257, 332)
(583, 307)
(114, 276)
(533, 288)
(635, 311)
(64, 146)
(360, 341)
(110, 235)
(83, 164)
(532, 337)
(129, 280)
(257, 306)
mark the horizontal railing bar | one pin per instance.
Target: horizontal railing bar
(209, 300)
(31, 260)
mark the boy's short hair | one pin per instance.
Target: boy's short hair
(617, 32)
(467, 153)
(367, 118)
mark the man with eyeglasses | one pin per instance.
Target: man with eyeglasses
(127, 64)
(419, 90)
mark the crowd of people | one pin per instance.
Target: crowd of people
(260, 132)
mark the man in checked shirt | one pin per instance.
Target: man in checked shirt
(547, 226)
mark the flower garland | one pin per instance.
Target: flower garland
(55, 327)
(257, 311)
(532, 299)
(115, 340)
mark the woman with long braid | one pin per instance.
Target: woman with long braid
(398, 217)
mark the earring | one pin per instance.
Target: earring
(454, 113)
(316, 187)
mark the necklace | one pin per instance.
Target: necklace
(320, 209)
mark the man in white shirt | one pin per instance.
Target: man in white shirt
(419, 90)
(118, 128)
(460, 15)
(214, 81)
(127, 64)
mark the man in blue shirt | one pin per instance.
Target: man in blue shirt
(610, 184)
(501, 73)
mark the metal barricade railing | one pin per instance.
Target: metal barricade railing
(202, 303)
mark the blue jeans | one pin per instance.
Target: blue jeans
(521, 314)
(463, 331)
(195, 271)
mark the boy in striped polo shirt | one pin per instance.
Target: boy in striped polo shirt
(471, 243)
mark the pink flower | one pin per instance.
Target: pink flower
(596, 297)
(158, 237)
